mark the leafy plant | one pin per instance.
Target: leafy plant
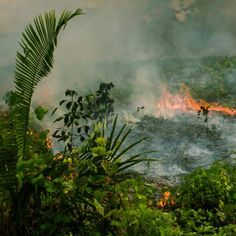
(211, 191)
(195, 222)
(108, 151)
(206, 188)
(141, 220)
(82, 113)
(40, 112)
(229, 230)
(101, 105)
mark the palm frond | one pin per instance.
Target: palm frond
(33, 63)
(116, 150)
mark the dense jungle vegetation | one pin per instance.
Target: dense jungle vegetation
(87, 188)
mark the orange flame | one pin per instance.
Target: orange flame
(49, 143)
(166, 200)
(184, 102)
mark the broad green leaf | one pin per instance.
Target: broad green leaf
(40, 112)
(98, 207)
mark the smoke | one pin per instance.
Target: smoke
(139, 45)
(135, 33)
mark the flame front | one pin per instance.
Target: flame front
(183, 102)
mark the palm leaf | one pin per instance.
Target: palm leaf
(33, 63)
(114, 147)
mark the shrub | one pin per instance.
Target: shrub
(141, 220)
(206, 188)
(82, 112)
(213, 191)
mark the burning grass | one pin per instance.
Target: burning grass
(169, 104)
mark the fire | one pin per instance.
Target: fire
(183, 102)
(49, 143)
(166, 200)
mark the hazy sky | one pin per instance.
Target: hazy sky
(124, 31)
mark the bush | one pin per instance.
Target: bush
(213, 191)
(207, 188)
(141, 220)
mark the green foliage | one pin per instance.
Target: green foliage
(40, 112)
(229, 230)
(8, 160)
(207, 199)
(13, 198)
(201, 222)
(34, 63)
(109, 151)
(86, 191)
(141, 220)
(195, 222)
(85, 182)
(82, 113)
(101, 105)
(10, 98)
(207, 188)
